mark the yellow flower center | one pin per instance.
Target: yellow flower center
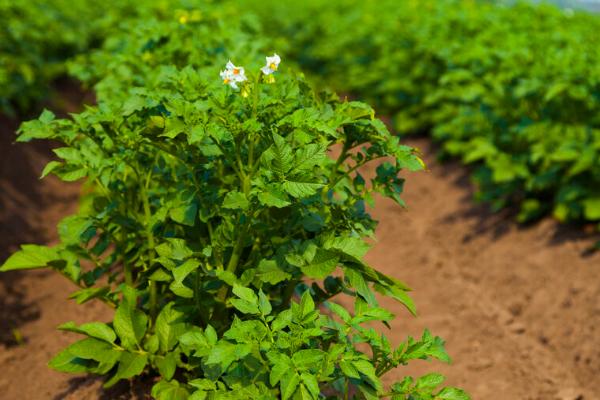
(226, 81)
(236, 71)
(273, 66)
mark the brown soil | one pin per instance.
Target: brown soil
(518, 306)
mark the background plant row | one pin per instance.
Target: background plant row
(38, 37)
(513, 90)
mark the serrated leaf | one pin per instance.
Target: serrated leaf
(322, 264)
(281, 155)
(301, 189)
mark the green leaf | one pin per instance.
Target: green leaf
(591, 208)
(309, 156)
(280, 154)
(308, 358)
(340, 311)
(166, 365)
(29, 257)
(269, 272)
(169, 327)
(247, 302)
(51, 166)
(398, 294)
(37, 129)
(194, 340)
(322, 264)
(301, 189)
(224, 353)
(85, 295)
(307, 305)
(173, 127)
(264, 305)
(174, 248)
(179, 274)
(368, 370)
(96, 330)
(129, 323)
(354, 247)
(65, 361)
(72, 174)
(196, 134)
(235, 201)
(273, 197)
(245, 294)
(76, 229)
(358, 282)
(289, 383)
(185, 214)
(87, 355)
(130, 365)
(452, 394)
(349, 369)
(171, 390)
(429, 382)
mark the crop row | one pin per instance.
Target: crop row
(38, 37)
(512, 90)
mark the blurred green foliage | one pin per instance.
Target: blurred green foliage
(513, 90)
(37, 37)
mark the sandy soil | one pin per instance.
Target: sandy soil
(518, 306)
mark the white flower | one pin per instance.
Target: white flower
(272, 64)
(233, 75)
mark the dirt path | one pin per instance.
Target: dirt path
(518, 307)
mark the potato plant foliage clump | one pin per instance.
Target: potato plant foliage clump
(38, 37)
(512, 89)
(220, 224)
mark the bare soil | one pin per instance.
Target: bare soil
(518, 306)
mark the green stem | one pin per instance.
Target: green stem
(346, 389)
(351, 170)
(128, 273)
(237, 251)
(126, 265)
(150, 237)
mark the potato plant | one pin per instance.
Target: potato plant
(224, 212)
